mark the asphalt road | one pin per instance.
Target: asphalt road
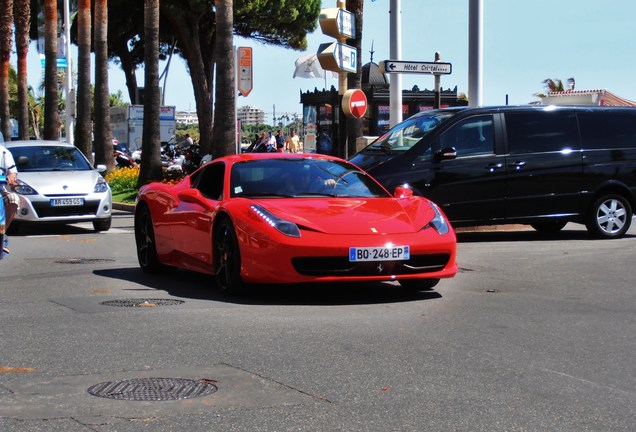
(533, 334)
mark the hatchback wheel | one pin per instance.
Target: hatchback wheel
(610, 217)
(549, 227)
(102, 224)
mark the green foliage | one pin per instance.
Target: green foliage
(123, 180)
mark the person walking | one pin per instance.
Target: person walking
(292, 143)
(8, 172)
(280, 141)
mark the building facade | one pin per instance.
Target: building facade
(248, 115)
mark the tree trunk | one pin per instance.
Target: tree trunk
(224, 121)
(83, 131)
(151, 169)
(103, 135)
(52, 122)
(6, 37)
(199, 55)
(22, 19)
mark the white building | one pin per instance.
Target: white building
(250, 116)
(188, 118)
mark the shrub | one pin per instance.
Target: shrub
(123, 180)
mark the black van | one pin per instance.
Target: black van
(535, 164)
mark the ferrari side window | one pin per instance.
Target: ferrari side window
(210, 181)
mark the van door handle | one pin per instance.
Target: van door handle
(493, 166)
(517, 165)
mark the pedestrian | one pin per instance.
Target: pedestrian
(324, 144)
(189, 140)
(263, 142)
(10, 199)
(280, 141)
(271, 145)
(292, 143)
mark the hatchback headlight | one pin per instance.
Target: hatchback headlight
(101, 185)
(286, 227)
(24, 189)
(439, 221)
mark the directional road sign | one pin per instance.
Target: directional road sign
(245, 83)
(431, 68)
(338, 22)
(337, 57)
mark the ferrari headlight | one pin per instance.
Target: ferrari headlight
(286, 227)
(24, 189)
(101, 185)
(439, 221)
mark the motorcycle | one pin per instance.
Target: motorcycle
(122, 160)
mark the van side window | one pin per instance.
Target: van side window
(541, 131)
(608, 130)
(470, 137)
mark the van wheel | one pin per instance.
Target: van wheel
(610, 217)
(549, 227)
(415, 285)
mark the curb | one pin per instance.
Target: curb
(125, 207)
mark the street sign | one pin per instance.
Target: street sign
(336, 22)
(337, 57)
(431, 68)
(245, 83)
(354, 103)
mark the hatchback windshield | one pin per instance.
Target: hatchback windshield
(49, 158)
(405, 135)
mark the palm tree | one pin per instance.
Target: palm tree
(151, 156)
(6, 36)
(103, 135)
(22, 19)
(225, 91)
(554, 86)
(52, 120)
(83, 131)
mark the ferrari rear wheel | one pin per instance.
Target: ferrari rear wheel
(227, 257)
(418, 284)
(145, 241)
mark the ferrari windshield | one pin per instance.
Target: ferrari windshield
(406, 134)
(49, 158)
(306, 177)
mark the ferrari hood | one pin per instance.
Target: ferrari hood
(354, 215)
(61, 182)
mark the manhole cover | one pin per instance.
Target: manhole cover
(142, 302)
(154, 389)
(83, 261)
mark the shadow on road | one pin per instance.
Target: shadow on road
(524, 236)
(192, 285)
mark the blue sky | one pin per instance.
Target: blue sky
(524, 43)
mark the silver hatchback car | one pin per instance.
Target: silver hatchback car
(57, 184)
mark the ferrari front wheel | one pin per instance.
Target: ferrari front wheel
(227, 257)
(415, 285)
(145, 242)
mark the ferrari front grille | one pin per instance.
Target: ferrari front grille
(341, 266)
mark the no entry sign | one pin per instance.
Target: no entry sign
(354, 103)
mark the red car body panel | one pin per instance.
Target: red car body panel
(183, 222)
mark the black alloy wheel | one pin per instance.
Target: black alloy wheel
(610, 217)
(227, 257)
(145, 241)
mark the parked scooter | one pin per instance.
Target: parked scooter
(122, 160)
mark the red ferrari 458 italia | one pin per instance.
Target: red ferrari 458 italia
(263, 218)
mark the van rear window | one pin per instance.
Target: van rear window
(608, 130)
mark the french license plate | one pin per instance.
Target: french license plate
(64, 202)
(393, 253)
